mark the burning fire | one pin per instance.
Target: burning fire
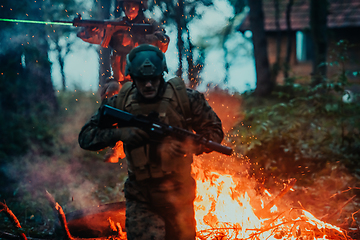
(227, 205)
(224, 210)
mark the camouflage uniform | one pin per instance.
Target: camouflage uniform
(159, 208)
(121, 44)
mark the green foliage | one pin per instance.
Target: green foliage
(299, 129)
(24, 120)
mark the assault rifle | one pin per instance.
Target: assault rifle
(111, 27)
(156, 129)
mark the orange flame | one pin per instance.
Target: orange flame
(227, 205)
(224, 211)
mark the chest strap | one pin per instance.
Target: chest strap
(123, 95)
(179, 88)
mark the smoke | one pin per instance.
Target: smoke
(39, 173)
(76, 178)
(10, 39)
(227, 106)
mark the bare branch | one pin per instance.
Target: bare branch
(61, 214)
(338, 210)
(4, 208)
(266, 209)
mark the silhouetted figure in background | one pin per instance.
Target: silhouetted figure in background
(122, 42)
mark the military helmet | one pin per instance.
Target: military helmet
(143, 3)
(145, 60)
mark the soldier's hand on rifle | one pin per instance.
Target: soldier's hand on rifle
(200, 149)
(161, 36)
(154, 37)
(150, 38)
(94, 29)
(109, 89)
(131, 136)
(176, 148)
(93, 33)
(170, 151)
(173, 147)
(127, 40)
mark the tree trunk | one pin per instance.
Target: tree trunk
(276, 66)
(227, 64)
(104, 53)
(26, 89)
(318, 25)
(193, 81)
(264, 84)
(225, 37)
(193, 68)
(61, 64)
(180, 22)
(289, 38)
(38, 69)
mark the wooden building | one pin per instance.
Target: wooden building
(343, 24)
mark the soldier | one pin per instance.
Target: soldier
(121, 43)
(159, 190)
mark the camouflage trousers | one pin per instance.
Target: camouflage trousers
(160, 209)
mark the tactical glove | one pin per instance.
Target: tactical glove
(89, 32)
(173, 147)
(161, 37)
(200, 149)
(109, 89)
(131, 136)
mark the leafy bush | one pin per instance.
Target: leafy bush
(300, 128)
(26, 108)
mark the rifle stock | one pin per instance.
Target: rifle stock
(156, 129)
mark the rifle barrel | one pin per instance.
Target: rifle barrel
(219, 148)
(78, 22)
(36, 22)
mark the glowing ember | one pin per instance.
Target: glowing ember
(223, 210)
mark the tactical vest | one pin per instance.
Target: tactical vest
(145, 162)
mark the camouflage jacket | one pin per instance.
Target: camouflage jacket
(122, 46)
(204, 122)
(121, 43)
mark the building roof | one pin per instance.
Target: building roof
(342, 13)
